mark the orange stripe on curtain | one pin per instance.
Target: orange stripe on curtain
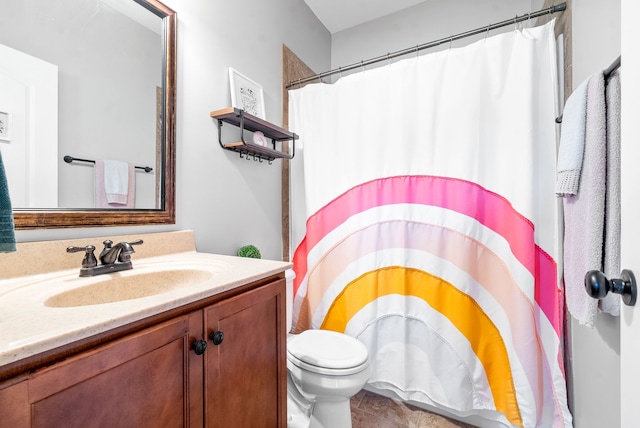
(459, 308)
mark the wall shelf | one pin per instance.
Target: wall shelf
(245, 121)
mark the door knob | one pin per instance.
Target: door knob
(597, 286)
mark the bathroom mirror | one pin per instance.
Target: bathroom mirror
(116, 90)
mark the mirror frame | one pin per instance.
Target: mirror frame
(63, 218)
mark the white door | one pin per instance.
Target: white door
(630, 322)
(29, 100)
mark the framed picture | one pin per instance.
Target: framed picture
(5, 126)
(246, 94)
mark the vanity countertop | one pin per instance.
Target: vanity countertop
(29, 327)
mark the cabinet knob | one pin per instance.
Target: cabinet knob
(597, 286)
(199, 346)
(216, 337)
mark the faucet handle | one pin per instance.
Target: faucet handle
(108, 243)
(125, 256)
(89, 259)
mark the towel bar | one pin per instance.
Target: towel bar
(607, 73)
(69, 159)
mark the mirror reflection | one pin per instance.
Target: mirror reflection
(85, 79)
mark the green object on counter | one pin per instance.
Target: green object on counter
(249, 251)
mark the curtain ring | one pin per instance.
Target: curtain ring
(486, 34)
(417, 51)
(388, 59)
(450, 41)
(362, 65)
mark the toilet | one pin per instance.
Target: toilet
(324, 370)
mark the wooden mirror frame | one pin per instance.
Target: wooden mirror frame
(61, 218)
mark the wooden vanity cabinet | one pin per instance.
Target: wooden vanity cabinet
(137, 381)
(153, 378)
(249, 360)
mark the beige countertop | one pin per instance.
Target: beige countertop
(29, 326)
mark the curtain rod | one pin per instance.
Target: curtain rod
(553, 9)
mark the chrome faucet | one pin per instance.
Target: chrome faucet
(113, 258)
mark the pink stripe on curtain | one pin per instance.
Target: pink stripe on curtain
(458, 195)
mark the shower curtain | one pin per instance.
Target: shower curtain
(426, 225)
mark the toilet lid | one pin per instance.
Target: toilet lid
(327, 349)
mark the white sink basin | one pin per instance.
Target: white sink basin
(126, 286)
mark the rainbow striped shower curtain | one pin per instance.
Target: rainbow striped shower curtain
(426, 225)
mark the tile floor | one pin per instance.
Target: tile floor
(372, 410)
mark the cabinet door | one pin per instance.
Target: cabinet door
(14, 404)
(245, 374)
(141, 380)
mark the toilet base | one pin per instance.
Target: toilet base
(331, 414)
(298, 412)
(318, 411)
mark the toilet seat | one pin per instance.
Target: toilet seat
(327, 352)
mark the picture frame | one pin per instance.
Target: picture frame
(246, 94)
(5, 126)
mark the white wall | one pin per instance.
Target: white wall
(423, 23)
(228, 201)
(595, 353)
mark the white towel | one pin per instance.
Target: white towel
(584, 212)
(611, 303)
(571, 150)
(116, 181)
(115, 184)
